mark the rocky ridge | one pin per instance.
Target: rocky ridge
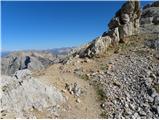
(124, 24)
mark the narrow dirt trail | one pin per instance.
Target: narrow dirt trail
(87, 107)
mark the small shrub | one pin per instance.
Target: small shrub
(84, 77)
(103, 114)
(103, 67)
(156, 86)
(101, 94)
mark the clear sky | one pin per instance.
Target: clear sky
(45, 25)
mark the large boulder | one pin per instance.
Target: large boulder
(126, 19)
(96, 47)
(23, 94)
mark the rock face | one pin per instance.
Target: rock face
(23, 60)
(150, 18)
(126, 20)
(22, 93)
(124, 24)
(97, 46)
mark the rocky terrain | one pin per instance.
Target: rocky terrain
(150, 18)
(125, 23)
(129, 81)
(24, 97)
(114, 76)
(31, 59)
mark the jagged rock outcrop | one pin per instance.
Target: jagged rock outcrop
(97, 46)
(22, 95)
(23, 60)
(126, 20)
(124, 24)
(150, 18)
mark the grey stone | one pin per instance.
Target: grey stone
(150, 99)
(135, 116)
(114, 34)
(125, 18)
(132, 106)
(30, 94)
(78, 100)
(125, 30)
(74, 89)
(142, 113)
(97, 46)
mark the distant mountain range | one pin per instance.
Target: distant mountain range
(54, 51)
(60, 51)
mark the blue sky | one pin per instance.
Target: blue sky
(45, 25)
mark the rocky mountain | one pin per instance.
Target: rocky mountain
(125, 23)
(25, 60)
(115, 76)
(128, 21)
(31, 59)
(54, 51)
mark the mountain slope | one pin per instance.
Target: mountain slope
(25, 60)
(114, 76)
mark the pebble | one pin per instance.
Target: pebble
(150, 99)
(78, 100)
(142, 113)
(103, 105)
(153, 76)
(132, 106)
(135, 116)
(64, 91)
